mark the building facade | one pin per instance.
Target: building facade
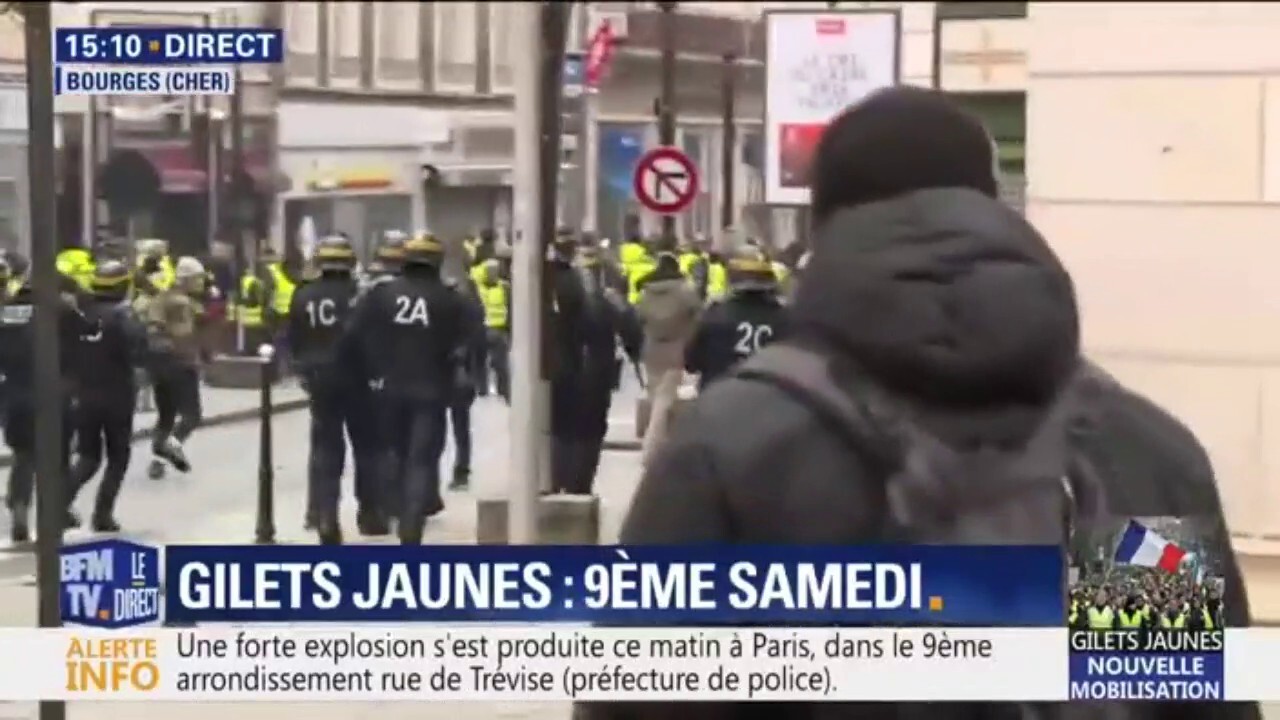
(14, 232)
(982, 63)
(1156, 175)
(395, 115)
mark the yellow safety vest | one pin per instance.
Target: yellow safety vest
(1178, 622)
(14, 286)
(284, 290)
(631, 253)
(495, 305)
(471, 246)
(1131, 619)
(635, 273)
(1101, 619)
(688, 261)
(163, 278)
(249, 311)
(717, 281)
(479, 275)
(1208, 618)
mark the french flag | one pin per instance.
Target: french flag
(1139, 545)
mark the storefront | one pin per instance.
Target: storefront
(355, 169)
(14, 228)
(468, 186)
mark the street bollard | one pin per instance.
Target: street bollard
(266, 526)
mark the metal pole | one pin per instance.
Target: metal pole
(88, 179)
(589, 141)
(526, 271)
(667, 111)
(729, 144)
(936, 59)
(554, 20)
(265, 531)
(51, 493)
(235, 229)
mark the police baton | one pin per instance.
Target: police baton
(265, 533)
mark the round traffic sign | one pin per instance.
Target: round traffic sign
(665, 180)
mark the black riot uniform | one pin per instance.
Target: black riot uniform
(341, 406)
(17, 365)
(409, 334)
(734, 328)
(107, 359)
(565, 354)
(607, 323)
(465, 391)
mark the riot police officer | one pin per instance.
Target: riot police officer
(734, 328)
(607, 322)
(411, 335)
(317, 315)
(107, 361)
(17, 365)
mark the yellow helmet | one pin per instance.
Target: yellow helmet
(423, 249)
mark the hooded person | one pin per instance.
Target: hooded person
(926, 289)
(668, 312)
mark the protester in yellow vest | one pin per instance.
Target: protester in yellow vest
(282, 286)
(155, 269)
(77, 264)
(495, 295)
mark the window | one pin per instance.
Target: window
(344, 42)
(500, 39)
(397, 42)
(455, 45)
(302, 27)
(981, 10)
(302, 42)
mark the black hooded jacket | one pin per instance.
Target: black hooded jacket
(955, 303)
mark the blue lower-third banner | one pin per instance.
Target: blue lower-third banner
(1019, 586)
(1169, 676)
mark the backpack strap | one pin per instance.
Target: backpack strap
(805, 375)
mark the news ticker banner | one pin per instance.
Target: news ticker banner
(173, 61)
(556, 663)
(116, 583)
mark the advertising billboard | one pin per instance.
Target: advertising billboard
(818, 64)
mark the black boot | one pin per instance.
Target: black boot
(461, 479)
(371, 523)
(330, 532)
(155, 470)
(70, 521)
(20, 533)
(105, 524)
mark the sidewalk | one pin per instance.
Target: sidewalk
(221, 406)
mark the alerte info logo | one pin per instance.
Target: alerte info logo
(110, 584)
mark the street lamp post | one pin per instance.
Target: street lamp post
(44, 275)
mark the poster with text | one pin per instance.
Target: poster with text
(819, 63)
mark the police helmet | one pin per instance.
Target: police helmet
(750, 269)
(334, 254)
(111, 278)
(423, 249)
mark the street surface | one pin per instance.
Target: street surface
(215, 504)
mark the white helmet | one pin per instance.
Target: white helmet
(188, 267)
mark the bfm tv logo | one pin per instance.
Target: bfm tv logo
(110, 584)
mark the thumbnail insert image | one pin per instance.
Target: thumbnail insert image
(1146, 573)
